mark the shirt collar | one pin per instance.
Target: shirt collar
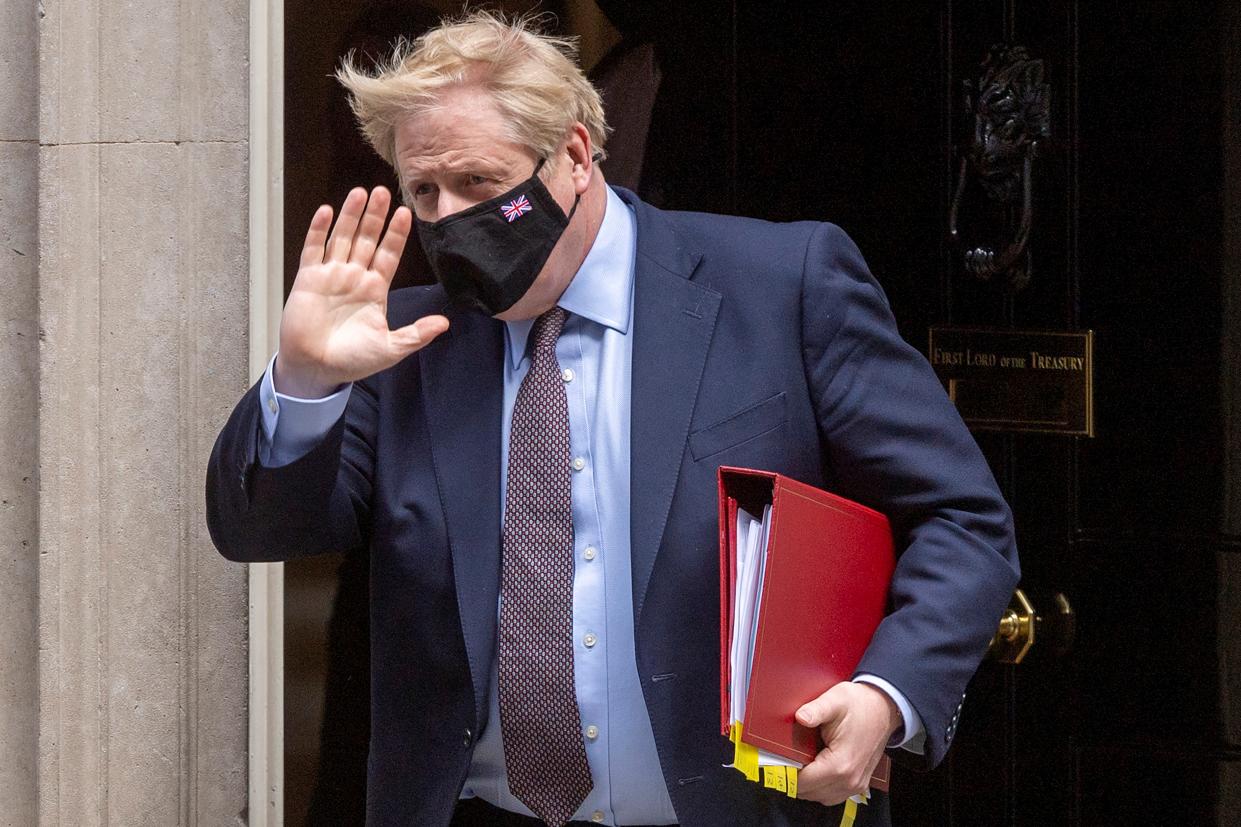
(601, 288)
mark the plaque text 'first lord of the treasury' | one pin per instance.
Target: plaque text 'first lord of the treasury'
(1018, 380)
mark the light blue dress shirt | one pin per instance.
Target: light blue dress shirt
(595, 356)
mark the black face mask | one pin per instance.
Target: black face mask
(487, 256)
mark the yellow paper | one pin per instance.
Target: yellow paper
(745, 757)
(746, 760)
(774, 778)
(850, 813)
(790, 780)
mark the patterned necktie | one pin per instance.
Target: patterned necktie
(541, 726)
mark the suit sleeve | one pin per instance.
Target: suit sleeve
(893, 441)
(319, 502)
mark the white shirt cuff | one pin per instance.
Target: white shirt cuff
(912, 736)
(302, 422)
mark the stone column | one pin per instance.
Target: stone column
(19, 354)
(142, 325)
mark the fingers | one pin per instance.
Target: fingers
(413, 337)
(822, 711)
(316, 236)
(355, 238)
(388, 256)
(831, 778)
(371, 227)
(841, 769)
(341, 240)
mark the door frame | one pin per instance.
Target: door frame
(266, 264)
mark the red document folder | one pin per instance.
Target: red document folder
(825, 590)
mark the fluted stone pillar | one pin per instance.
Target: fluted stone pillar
(19, 354)
(136, 713)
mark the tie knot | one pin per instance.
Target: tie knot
(547, 330)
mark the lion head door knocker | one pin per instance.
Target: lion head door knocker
(1010, 109)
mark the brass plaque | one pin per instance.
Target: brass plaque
(1017, 380)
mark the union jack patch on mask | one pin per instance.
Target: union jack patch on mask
(516, 208)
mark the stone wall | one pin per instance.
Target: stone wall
(123, 217)
(19, 361)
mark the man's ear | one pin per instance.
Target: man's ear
(580, 154)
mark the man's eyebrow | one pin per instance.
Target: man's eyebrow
(471, 166)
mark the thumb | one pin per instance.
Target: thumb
(822, 710)
(418, 335)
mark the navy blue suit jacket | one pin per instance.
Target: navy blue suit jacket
(755, 344)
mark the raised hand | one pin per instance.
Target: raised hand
(335, 327)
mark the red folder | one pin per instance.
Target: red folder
(829, 566)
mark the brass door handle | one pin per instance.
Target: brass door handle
(1021, 625)
(1015, 636)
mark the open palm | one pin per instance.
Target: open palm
(335, 327)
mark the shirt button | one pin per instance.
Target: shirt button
(589, 553)
(597, 816)
(590, 640)
(271, 404)
(468, 736)
(567, 374)
(578, 463)
(592, 732)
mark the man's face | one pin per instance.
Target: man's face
(459, 154)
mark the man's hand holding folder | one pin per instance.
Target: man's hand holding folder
(802, 591)
(856, 721)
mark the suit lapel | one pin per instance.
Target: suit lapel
(674, 319)
(463, 387)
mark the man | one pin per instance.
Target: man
(529, 448)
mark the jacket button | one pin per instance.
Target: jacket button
(469, 736)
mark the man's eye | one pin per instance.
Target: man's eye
(422, 189)
(475, 180)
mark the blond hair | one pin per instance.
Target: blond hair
(533, 78)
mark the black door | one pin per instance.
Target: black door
(853, 112)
